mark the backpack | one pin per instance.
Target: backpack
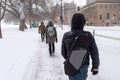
(77, 54)
(51, 31)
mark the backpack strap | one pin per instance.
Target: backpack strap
(74, 42)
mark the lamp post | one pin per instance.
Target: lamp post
(0, 21)
(61, 16)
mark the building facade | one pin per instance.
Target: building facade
(92, 1)
(102, 12)
(69, 9)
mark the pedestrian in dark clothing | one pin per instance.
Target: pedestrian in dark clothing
(41, 30)
(77, 24)
(51, 37)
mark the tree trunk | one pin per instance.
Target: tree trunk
(25, 26)
(0, 31)
(30, 22)
(30, 13)
(22, 17)
(0, 24)
(22, 26)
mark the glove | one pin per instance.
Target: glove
(46, 42)
(94, 71)
(56, 40)
(38, 31)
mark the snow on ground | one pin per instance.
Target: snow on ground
(24, 57)
(16, 50)
(109, 32)
(109, 57)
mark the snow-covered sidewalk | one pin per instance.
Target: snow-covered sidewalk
(16, 50)
(24, 57)
(43, 66)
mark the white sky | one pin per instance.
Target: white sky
(78, 2)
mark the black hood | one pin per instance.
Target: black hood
(78, 21)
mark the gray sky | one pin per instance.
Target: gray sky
(78, 2)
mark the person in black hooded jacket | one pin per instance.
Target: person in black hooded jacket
(77, 24)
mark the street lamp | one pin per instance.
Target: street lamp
(61, 16)
(0, 21)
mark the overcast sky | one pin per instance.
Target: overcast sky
(78, 2)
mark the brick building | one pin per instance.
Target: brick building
(69, 9)
(102, 12)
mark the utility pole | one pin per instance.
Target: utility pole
(61, 16)
(0, 20)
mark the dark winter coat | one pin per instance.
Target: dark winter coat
(78, 22)
(41, 28)
(51, 39)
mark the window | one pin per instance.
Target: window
(114, 17)
(91, 15)
(108, 16)
(100, 17)
(110, 6)
(106, 6)
(100, 6)
(115, 6)
(94, 17)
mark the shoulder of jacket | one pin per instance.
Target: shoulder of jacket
(67, 34)
(88, 32)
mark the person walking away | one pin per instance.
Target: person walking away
(42, 30)
(51, 37)
(77, 24)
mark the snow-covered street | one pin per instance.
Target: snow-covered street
(23, 56)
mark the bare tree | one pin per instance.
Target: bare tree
(38, 10)
(34, 10)
(55, 9)
(30, 12)
(30, 9)
(0, 21)
(22, 15)
(2, 13)
(50, 8)
(13, 7)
